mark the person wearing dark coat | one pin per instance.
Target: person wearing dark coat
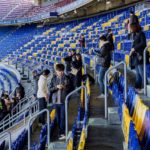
(109, 37)
(19, 91)
(77, 65)
(59, 89)
(82, 41)
(136, 54)
(104, 60)
(68, 60)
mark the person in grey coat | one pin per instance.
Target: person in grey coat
(59, 89)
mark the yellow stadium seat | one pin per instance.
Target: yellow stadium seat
(127, 59)
(146, 28)
(73, 45)
(119, 46)
(137, 13)
(116, 25)
(88, 87)
(29, 57)
(70, 144)
(139, 114)
(53, 115)
(53, 42)
(61, 45)
(126, 119)
(34, 54)
(82, 141)
(82, 96)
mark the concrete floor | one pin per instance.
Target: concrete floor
(102, 137)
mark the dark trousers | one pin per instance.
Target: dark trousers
(42, 105)
(60, 109)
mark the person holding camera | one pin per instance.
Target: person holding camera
(59, 89)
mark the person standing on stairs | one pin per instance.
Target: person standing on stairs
(42, 94)
(104, 60)
(59, 89)
(136, 55)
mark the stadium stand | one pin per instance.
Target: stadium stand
(26, 8)
(31, 47)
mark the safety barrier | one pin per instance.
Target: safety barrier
(66, 104)
(4, 135)
(125, 84)
(15, 119)
(144, 68)
(48, 126)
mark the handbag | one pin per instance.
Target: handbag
(133, 61)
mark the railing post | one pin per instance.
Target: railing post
(48, 126)
(66, 105)
(144, 69)
(106, 89)
(9, 137)
(95, 68)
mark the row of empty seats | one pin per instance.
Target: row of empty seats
(134, 114)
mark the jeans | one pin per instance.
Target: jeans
(42, 105)
(139, 76)
(60, 109)
(101, 76)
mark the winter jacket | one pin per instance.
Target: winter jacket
(139, 44)
(54, 90)
(104, 55)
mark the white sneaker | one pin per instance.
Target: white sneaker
(100, 96)
(62, 137)
(140, 91)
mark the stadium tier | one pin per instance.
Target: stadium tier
(26, 8)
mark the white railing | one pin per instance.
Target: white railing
(33, 108)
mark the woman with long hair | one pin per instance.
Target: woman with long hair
(136, 54)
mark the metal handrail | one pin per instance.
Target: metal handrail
(48, 126)
(10, 120)
(31, 105)
(22, 101)
(66, 104)
(8, 134)
(144, 69)
(17, 107)
(106, 90)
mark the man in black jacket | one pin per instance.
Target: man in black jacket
(104, 60)
(68, 60)
(59, 89)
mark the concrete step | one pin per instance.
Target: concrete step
(148, 91)
(113, 117)
(58, 146)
